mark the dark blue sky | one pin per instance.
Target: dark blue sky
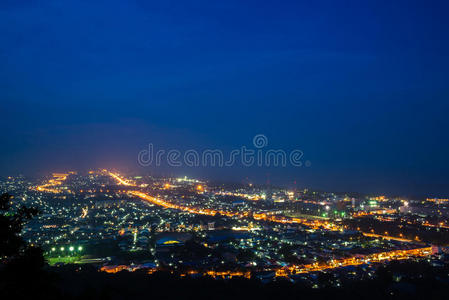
(360, 86)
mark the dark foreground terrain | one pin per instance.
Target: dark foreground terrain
(70, 282)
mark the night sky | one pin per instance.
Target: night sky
(361, 87)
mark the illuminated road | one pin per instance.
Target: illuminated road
(50, 186)
(120, 180)
(301, 269)
(316, 224)
(355, 261)
(166, 204)
(387, 237)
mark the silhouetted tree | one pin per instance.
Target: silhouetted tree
(12, 245)
(21, 265)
